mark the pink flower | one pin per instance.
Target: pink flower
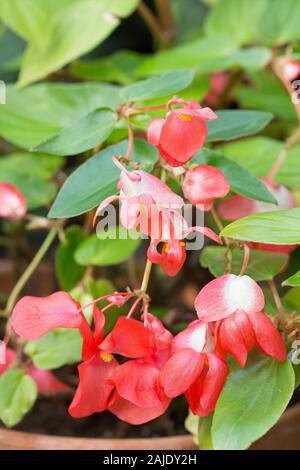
(12, 202)
(182, 133)
(219, 84)
(193, 369)
(203, 184)
(290, 69)
(239, 206)
(144, 198)
(236, 303)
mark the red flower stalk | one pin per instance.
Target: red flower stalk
(12, 202)
(203, 184)
(182, 133)
(236, 303)
(193, 369)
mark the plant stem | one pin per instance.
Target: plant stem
(278, 303)
(130, 138)
(30, 269)
(246, 259)
(166, 18)
(146, 276)
(157, 107)
(290, 142)
(150, 20)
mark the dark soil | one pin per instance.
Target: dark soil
(50, 416)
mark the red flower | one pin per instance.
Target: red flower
(194, 370)
(203, 184)
(239, 206)
(236, 302)
(173, 229)
(12, 202)
(182, 133)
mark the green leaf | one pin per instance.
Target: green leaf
(53, 30)
(236, 21)
(262, 265)
(293, 281)
(232, 124)
(116, 247)
(190, 55)
(277, 227)
(293, 297)
(55, 349)
(18, 393)
(37, 191)
(38, 165)
(35, 114)
(97, 179)
(266, 93)
(278, 25)
(119, 67)
(82, 135)
(240, 180)
(251, 402)
(204, 433)
(250, 58)
(156, 87)
(68, 272)
(258, 154)
(191, 424)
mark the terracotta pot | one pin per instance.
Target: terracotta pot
(283, 436)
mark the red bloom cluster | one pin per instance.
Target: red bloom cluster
(138, 368)
(182, 133)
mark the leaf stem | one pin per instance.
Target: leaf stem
(246, 259)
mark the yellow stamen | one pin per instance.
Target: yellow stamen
(106, 357)
(166, 247)
(182, 244)
(185, 117)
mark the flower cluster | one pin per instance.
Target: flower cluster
(136, 370)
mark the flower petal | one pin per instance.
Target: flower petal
(129, 338)
(267, 336)
(193, 337)
(94, 390)
(34, 316)
(182, 135)
(204, 183)
(236, 207)
(12, 202)
(227, 294)
(154, 131)
(180, 371)
(138, 382)
(203, 394)
(46, 381)
(132, 414)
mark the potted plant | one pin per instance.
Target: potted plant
(123, 184)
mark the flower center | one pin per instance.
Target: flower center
(106, 357)
(185, 117)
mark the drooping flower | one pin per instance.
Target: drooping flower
(236, 303)
(193, 369)
(173, 254)
(12, 202)
(203, 184)
(182, 133)
(238, 206)
(144, 199)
